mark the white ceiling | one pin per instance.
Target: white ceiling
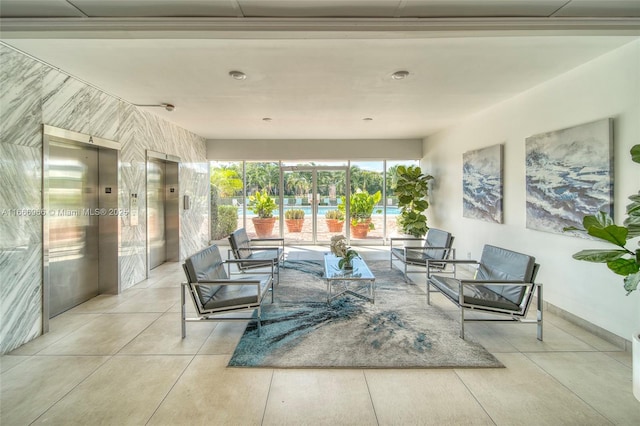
(316, 84)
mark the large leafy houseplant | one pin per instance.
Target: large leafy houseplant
(621, 260)
(412, 189)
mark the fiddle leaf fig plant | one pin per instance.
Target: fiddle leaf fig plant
(412, 189)
(620, 260)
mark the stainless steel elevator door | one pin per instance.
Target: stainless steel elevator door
(73, 226)
(156, 176)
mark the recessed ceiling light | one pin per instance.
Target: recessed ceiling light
(238, 75)
(367, 119)
(267, 119)
(400, 75)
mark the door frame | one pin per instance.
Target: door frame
(314, 193)
(167, 158)
(109, 258)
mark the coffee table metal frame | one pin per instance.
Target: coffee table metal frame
(359, 274)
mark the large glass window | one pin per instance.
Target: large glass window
(262, 199)
(252, 195)
(367, 200)
(392, 211)
(226, 198)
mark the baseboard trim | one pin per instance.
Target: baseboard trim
(610, 337)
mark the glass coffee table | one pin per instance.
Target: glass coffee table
(359, 281)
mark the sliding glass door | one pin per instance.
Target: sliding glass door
(312, 209)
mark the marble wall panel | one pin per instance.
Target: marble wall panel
(20, 197)
(20, 245)
(194, 223)
(20, 295)
(66, 102)
(32, 94)
(104, 116)
(133, 249)
(20, 99)
(131, 133)
(71, 104)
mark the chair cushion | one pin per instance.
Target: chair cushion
(240, 243)
(501, 264)
(234, 295)
(205, 265)
(267, 255)
(437, 238)
(473, 295)
(414, 256)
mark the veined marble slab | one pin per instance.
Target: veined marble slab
(197, 186)
(31, 94)
(20, 99)
(20, 245)
(20, 295)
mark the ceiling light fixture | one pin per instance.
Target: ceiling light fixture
(238, 75)
(367, 119)
(267, 119)
(168, 107)
(400, 75)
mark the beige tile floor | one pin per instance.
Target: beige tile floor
(119, 360)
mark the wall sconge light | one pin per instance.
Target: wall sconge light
(168, 107)
(237, 75)
(400, 75)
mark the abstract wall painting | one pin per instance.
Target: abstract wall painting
(569, 174)
(482, 184)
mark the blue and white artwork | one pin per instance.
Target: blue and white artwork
(482, 184)
(569, 175)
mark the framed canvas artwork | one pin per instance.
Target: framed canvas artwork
(482, 184)
(569, 174)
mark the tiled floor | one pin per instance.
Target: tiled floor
(119, 360)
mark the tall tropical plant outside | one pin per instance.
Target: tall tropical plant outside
(262, 176)
(226, 183)
(412, 189)
(621, 260)
(227, 180)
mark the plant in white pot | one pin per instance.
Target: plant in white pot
(620, 259)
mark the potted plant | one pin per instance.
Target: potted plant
(361, 207)
(340, 249)
(412, 189)
(620, 259)
(294, 219)
(263, 206)
(335, 220)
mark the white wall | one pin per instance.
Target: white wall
(313, 149)
(608, 86)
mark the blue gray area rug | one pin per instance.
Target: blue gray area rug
(300, 330)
